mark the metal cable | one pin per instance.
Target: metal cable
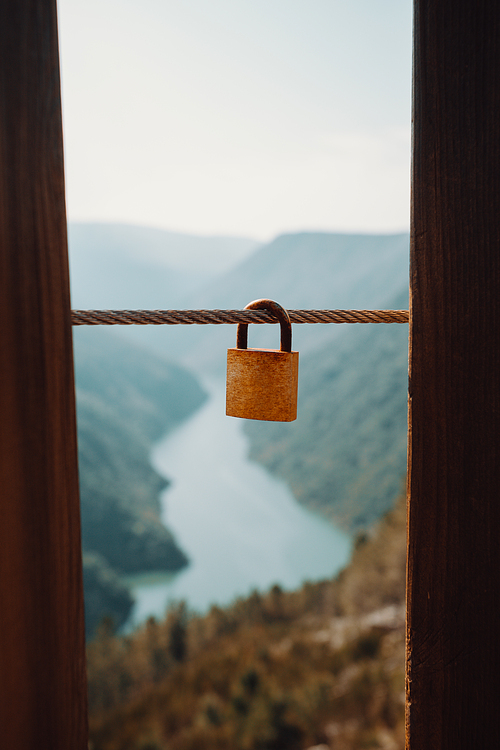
(221, 317)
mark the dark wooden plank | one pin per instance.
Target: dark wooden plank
(42, 667)
(453, 594)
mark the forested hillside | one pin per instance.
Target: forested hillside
(306, 270)
(345, 456)
(276, 671)
(126, 399)
(120, 266)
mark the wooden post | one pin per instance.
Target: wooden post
(42, 666)
(453, 591)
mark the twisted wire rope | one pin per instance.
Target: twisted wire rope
(221, 317)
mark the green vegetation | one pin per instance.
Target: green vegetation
(275, 671)
(126, 399)
(346, 453)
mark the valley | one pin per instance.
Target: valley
(275, 663)
(126, 398)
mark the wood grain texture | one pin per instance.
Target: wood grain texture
(262, 384)
(453, 586)
(42, 666)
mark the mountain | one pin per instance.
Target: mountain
(120, 266)
(308, 270)
(313, 269)
(115, 266)
(345, 456)
(126, 399)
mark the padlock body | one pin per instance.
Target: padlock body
(262, 384)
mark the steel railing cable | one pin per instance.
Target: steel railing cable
(221, 317)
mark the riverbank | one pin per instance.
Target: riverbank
(240, 527)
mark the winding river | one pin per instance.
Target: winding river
(241, 528)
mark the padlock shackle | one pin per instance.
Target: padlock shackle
(281, 314)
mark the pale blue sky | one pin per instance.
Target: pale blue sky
(248, 117)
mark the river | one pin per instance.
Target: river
(241, 528)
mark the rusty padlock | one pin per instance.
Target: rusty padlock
(263, 383)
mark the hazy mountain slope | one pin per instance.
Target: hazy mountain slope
(117, 266)
(120, 266)
(155, 394)
(126, 398)
(311, 269)
(345, 456)
(307, 270)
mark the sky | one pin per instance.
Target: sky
(238, 117)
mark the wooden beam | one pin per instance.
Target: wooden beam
(453, 591)
(42, 657)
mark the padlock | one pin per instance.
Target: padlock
(263, 383)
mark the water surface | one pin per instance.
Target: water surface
(241, 527)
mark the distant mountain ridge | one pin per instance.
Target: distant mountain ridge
(127, 266)
(207, 254)
(307, 270)
(123, 266)
(310, 269)
(117, 266)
